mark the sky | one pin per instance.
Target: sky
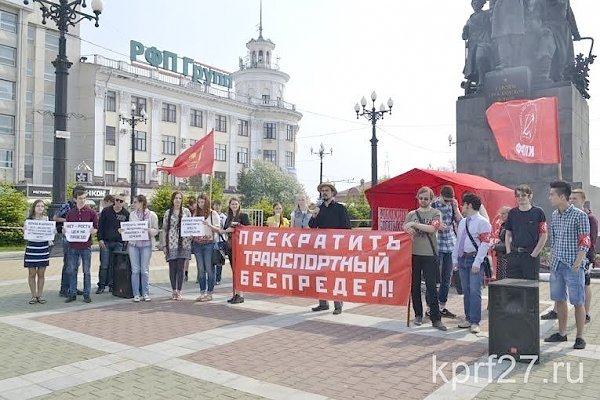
(337, 51)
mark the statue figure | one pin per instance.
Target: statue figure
(477, 34)
(508, 30)
(539, 42)
(559, 18)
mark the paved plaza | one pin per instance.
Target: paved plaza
(266, 348)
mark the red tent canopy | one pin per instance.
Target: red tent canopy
(391, 199)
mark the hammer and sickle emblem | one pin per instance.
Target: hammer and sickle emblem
(195, 158)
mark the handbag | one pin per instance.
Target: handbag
(485, 264)
(217, 257)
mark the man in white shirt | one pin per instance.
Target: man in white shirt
(471, 249)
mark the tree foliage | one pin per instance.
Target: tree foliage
(13, 210)
(161, 200)
(359, 209)
(265, 183)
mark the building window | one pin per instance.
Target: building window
(266, 99)
(31, 34)
(49, 101)
(169, 112)
(49, 73)
(221, 177)
(183, 143)
(167, 179)
(109, 179)
(242, 156)
(111, 134)
(29, 67)
(29, 98)
(8, 21)
(51, 40)
(140, 173)
(169, 144)
(192, 142)
(270, 155)
(289, 159)
(242, 127)
(196, 118)
(139, 103)
(140, 141)
(7, 90)
(6, 158)
(289, 135)
(109, 176)
(109, 166)
(270, 130)
(7, 124)
(220, 152)
(111, 101)
(220, 123)
(8, 55)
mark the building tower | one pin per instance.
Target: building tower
(261, 82)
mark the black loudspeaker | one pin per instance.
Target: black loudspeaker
(514, 318)
(121, 275)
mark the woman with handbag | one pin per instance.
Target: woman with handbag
(203, 247)
(235, 217)
(140, 251)
(177, 249)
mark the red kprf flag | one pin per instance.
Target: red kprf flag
(197, 159)
(526, 130)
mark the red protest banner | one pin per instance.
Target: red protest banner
(331, 264)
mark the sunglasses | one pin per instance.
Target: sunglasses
(119, 201)
(424, 198)
(521, 195)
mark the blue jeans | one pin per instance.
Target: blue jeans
(471, 286)
(445, 274)
(563, 279)
(140, 265)
(86, 261)
(105, 273)
(203, 253)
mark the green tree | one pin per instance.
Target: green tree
(13, 210)
(359, 209)
(267, 182)
(161, 200)
(217, 192)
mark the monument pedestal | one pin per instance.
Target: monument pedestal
(477, 152)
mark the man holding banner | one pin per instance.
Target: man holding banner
(330, 215)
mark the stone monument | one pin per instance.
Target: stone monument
(526, 53)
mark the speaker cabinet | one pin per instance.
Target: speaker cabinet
(514, 318)
(121, 275)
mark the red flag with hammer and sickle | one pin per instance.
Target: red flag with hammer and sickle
(197, 159)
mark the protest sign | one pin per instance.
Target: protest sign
(191, 226)
(77, 232)
(134, 230)
(39, 230)
(332, 264)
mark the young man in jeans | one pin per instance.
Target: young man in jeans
(422, 224)
(472, 247)
(81, 250)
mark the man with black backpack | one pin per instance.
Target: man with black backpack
(423, 224)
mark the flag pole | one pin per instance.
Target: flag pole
(560, 177)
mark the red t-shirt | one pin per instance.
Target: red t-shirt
(85, 214)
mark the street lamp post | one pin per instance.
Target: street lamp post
(64, 13)
(133, 120)
(373, 115)
(321, 153)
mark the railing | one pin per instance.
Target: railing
(257, 217)
(186, 82)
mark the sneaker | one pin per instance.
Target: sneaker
(87, 299)
(418, 321)
(337, 311)
(579, 344)
(556, 337)
(439, 325)
(475, 328)
(70, 299)
(217, 282)
(549, 315)
(238, 300)
(62, 293)
(231, 300)
(79, 292)
(447, 313)
(206, 297)
(320, 308)
(587, 318)
(136, 299)
(464, 325)
(100, 290)
(147, 297)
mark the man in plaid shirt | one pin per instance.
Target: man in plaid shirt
(446, 238)
(570, 241)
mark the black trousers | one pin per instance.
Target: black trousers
(522, 266)
(428, 266)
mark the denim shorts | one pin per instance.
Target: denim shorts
(563, 279)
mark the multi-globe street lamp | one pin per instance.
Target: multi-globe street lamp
(321, 153)
(64, 13)
(133, 120)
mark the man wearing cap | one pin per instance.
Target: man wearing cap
(329, 215)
